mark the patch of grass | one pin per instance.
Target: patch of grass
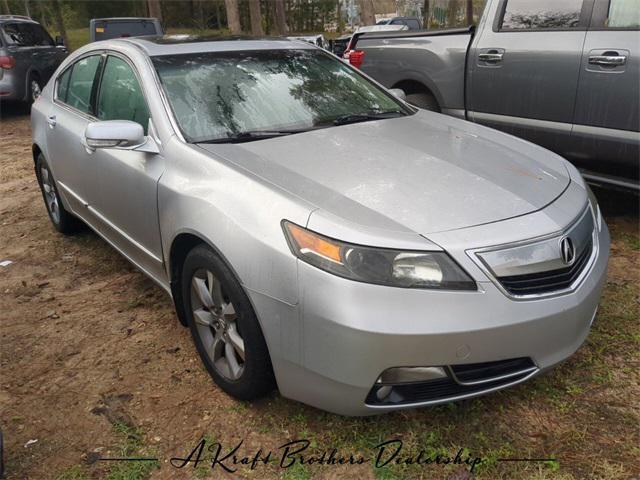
(296, 472)
(632, 241)
(204, 468)
(131, 446)
(74, 473)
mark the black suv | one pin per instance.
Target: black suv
(28, 57)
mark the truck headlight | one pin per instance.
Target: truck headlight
(396, 268)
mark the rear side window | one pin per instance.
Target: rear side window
(81, 83)
(26, 35)
(62, 85)
(623, 14)
(120, 96)
(413, 24)
(541, 14)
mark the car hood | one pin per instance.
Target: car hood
(425, 173)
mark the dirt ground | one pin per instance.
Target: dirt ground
(94, 364)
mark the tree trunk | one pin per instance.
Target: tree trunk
(452, 17)
(426, 13)
(5, 4)
(26, 8)
(256, 18)
(367, 12)
(469, 12)
(57, 18)
(233, 16)
(281, 18)
(155, 10)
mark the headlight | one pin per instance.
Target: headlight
(377, 265)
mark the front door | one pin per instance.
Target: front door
(126, 181)
(524, 68)
(606, 132)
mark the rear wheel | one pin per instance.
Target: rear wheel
(424, 100)
(63, 221)
(224, 326)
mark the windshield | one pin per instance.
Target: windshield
(222, 95)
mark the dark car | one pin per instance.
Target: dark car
(119, 27)
(413, 23)
(28, 57)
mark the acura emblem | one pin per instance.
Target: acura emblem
(567, 251)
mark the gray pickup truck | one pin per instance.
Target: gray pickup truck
(564, 74)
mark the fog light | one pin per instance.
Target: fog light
(383, 392)
(410, 374)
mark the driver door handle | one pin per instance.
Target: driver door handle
(490, 57)
(51, 120)
(608, 60)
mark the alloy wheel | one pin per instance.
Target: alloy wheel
(50, 196)
(217, 324)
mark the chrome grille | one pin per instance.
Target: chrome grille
(550, 281)
(538, 267)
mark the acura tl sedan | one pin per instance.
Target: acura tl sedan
(315, 232)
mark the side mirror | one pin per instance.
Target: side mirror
(114, 134)
(398, 93)
(60, 41)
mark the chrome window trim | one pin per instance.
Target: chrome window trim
(64, 105)
(474, 255)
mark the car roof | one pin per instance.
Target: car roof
(16, 19)
(157, 45)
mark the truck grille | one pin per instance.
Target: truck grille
(550, 281)
(463, 381)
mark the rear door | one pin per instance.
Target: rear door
(606, 133)
(524, 67)
(68, 118)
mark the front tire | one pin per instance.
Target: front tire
(63, 221)
(224, 326)
(424, 100)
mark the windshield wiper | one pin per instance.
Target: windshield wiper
(252, 136)
(365, 117)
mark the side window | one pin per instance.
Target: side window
(62, 85)
(541, 14)
(14, 35)
(413, 24)
(623, 14)
(120, 96)
(40, 35)
(81, 83)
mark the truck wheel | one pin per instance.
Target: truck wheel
(224, 326)
(424, 100)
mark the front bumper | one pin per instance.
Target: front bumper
(333, 346)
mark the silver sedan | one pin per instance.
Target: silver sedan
(315, 232)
